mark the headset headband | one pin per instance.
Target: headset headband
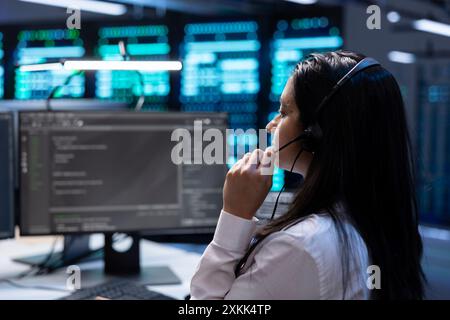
(362, 65)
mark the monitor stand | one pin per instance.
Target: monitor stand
(117, 263)
(126, 264)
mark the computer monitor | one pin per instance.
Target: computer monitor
(6, 176)
(143, 42)
(62, 105)
(15, 106)
(2, 67)
(79, 245)
(86, 172)
(47, 45)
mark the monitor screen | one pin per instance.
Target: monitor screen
(6, 176)
(113, 171)
(221, 73)
(47, 46)
(144, 42)
(16, 106)
(2, 68)
(221, 69)
(433, 142)
(292, 41)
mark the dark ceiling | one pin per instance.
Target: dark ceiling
(18, 12)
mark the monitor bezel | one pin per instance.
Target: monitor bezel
(176, 232)
(10, 233)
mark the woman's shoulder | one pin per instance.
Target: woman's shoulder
(320, 225)
(312, 226)
(317, 235)
(308, 245)
(311, 235)
(316, 239)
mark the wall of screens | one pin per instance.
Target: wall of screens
(144, 42)
(221, 73)
(236, 65)
(46, 46)
(2, 68)
(433, 143)
(292, 41)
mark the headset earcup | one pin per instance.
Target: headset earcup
(312, 137)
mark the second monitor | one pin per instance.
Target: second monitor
(84, 172)
(6, 176)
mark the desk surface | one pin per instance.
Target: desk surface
(182, 263)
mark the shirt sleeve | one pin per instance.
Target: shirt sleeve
(280, 269)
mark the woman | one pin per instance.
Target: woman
(352, 229)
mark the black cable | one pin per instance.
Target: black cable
(126, 57)
(37, 267)
(255, 240)
(284, 185)
(61, 262)
(45, 267)
(276, 201)
(56, 88)
(141, 100)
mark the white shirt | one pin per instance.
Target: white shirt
(299, 262)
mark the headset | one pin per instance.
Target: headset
(311, 136)
(314, 131)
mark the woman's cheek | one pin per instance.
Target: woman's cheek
(276, 143)
(275, 139)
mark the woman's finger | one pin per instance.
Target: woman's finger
(255, 158)
(267, 161)
(241, 162)
(246, 157)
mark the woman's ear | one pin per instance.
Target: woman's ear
(313, 136)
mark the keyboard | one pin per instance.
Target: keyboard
(117, 290)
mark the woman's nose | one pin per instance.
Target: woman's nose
(272, 124)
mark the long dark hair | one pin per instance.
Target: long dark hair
(364, 159)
